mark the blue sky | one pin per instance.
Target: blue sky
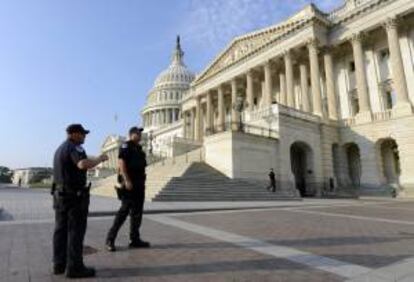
(88, 60)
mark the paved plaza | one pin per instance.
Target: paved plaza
(313, 240)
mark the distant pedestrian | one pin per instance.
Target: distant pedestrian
(71, 203)
(132, 163)
(272, 179)
(19, 182)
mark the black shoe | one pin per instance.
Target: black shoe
(139, 244)
(82, 272)
(59, 269)
(110, 246)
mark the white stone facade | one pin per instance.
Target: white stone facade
(335, 91)
(111, 147)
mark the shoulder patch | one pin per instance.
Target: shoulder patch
(80, 149)
(124, 146)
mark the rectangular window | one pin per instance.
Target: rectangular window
(352, 66)
(384, 55)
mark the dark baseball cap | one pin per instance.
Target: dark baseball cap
(76, 128)
(135, 129)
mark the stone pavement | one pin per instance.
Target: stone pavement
(36, 204)
(311, 241)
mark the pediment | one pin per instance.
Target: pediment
(245, 45)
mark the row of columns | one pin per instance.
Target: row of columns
(398, 75)
(287, 96)
(314, 103)
(160, 117)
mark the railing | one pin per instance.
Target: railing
(154, 158)
(349, 122)
(379, 116)
(187, 141)
(262, 113)
(244, 128)
(386, 115)
(196, 155)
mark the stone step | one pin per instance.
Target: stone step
(180, 190)
(224, 199)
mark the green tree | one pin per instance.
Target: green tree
(5, 174)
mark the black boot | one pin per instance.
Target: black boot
(139, 244)
(110, 246)
(59, 269)
(80, 272)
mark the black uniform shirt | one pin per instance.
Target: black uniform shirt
(65, 166)
(134, 158)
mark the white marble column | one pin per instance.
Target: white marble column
(233, 101)
(289, 79)
(304, 87)
(161, 114)
(249, 90)
(197, 126)
(330, 85)
(397, 66)
(164, 113)
(185, 125)
(361, 78)
(268, 85)
(159, 117)
(209, 113)
(192, 124)
(282, 84)
(220, 108)
(315, 77)
(176, 115)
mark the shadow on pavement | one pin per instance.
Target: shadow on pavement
(212, 267)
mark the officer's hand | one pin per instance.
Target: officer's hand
(103, 157)
(128, 185)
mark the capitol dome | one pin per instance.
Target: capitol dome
(176, 73)
(164, 99)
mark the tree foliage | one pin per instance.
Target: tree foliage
(5, 174)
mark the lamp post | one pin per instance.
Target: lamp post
(270, 117)
(238, 106)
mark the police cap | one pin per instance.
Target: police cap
(135, 129)
(76, 128)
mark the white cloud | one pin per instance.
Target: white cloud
(211, 24)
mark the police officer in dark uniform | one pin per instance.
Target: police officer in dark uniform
(132, 176)
(71, 202)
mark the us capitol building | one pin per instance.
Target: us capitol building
(326, 99)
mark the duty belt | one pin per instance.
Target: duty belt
(62, 190)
